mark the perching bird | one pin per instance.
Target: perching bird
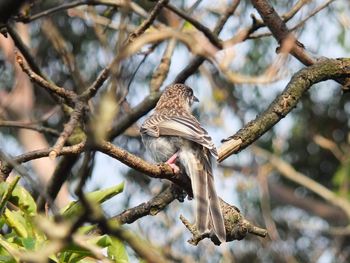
(173, 135)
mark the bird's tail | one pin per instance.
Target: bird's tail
(198, 167)
(215, 210)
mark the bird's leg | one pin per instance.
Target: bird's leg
(172, 159)
(172, 164)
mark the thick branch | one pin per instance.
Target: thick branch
(161, 171)
(280, 31)
(237, 227)
(152, 207)
(284, 103)
(5, 167)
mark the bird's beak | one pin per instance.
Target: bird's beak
(195, 99)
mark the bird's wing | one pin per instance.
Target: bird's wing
(185, 126)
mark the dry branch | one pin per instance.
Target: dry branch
(284, 103)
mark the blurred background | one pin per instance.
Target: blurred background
(286, 182)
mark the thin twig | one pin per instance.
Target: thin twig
(59, 43)
(331, 146)
(74, 121)
(314, 12)
(30, 126)
(212, 37)
(148, 22)
(286, 18)
(294, 10)
(194, 64)
(65, 6)
(49, 86)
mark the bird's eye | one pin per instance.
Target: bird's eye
(190, 92)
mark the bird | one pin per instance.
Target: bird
(173, 135)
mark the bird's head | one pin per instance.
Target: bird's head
(177, 96)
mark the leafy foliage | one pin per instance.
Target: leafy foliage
(22, 234)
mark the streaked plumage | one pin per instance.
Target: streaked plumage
(173, 129)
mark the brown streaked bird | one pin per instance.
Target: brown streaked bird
(173, 135)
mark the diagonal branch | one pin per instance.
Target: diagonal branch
(281, 32)
(193, 66)
(49, 86)
(284, 103)
(151, 207)
(162, 171)
(148, 22)
(212, 37)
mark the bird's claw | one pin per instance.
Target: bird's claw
(175, 168)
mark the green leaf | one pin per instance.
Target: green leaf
(11, 249)
(188, 26)
(73, 253)
(24, 200)
(117, 251)
(102, 241)
(341, 176)
(2, 222)
(7, 259)
(75, 208)
(86, 229)
(6, 190)
(16, 221)
(28, 243)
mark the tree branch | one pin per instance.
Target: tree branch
(49, 86)
(148, 22)
(212, 37)
(161, 171)
(151, 207)
(280, 31)
(284, 103)
(30, 126)
(237, 227)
